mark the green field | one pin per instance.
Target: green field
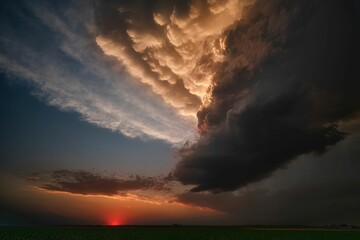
(172, 233)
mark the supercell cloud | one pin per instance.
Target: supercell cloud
(264, 78)
(288, 77)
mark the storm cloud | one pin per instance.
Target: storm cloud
(289, 77)
(313, 190)
(315, 204)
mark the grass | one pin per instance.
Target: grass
(171, 233)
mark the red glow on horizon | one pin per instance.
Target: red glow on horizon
(114, 221)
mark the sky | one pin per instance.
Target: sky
(190, 112)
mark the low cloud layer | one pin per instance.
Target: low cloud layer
(290, 75)
(89, 183)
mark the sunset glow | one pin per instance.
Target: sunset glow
(114, 221)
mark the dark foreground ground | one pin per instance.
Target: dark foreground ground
(174, 233)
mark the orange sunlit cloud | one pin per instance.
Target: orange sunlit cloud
(179, 61)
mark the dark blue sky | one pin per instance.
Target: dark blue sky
(36, 136)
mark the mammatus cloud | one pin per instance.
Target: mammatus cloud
(89, 183)
(174, 47)
(290, 75)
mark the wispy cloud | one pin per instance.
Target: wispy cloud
(74, 75)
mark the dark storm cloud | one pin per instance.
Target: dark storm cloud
(311, 204)
(88, 183)
(315, 190)
(290, 76)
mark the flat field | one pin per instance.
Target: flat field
(172, 233)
